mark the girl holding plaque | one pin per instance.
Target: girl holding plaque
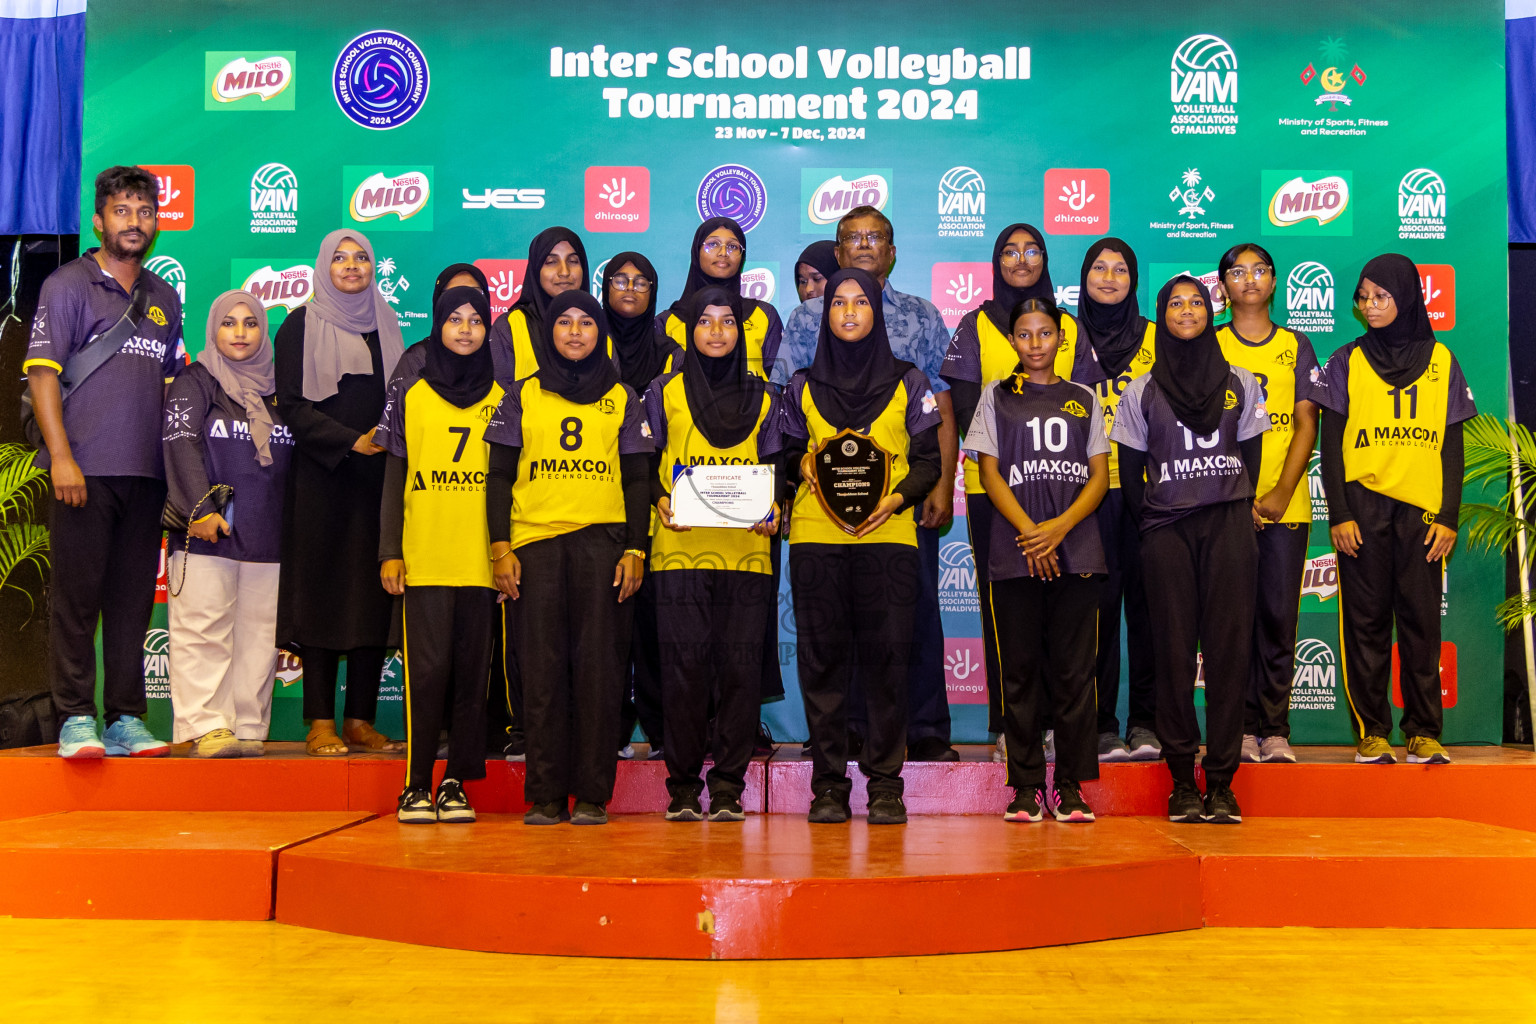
(870, 422)
(713, 584)
(1190, 436)
(567, 510)
(1394, 401)
(719, 250)
(1044, 460)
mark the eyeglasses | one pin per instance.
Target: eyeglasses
(712, 246)
(1260, 272)
(860, 238)
(621, 283)
(1381, 300)
(1010, 257)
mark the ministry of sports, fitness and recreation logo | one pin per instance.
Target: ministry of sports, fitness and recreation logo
(1314, 676)
(1190, 195)
(962, 204)
(389, 200)
(1203, 87)
(1421, 205)
(274, 200)
(1332, 79)
(169, 270)
(287, 287)
(1307, 202)
(381, 80)
(248, 81)
(826, 193)
(1309, 298)
(1326, 79)
(734, 191)
(957, 578)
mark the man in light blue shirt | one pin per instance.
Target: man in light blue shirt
(866, 240)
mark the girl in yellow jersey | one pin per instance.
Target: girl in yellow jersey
(1394, 400)
(1117, 345)
(980, 352)
(557, 263)
(1283, 363)
(856, 595)
(569, 461)
(713, 585)
(434, 549)
(719, 250)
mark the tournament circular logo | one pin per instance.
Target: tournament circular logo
(381, 80)
(733, 191)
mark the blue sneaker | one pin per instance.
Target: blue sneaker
(78, 739)
(130, 737)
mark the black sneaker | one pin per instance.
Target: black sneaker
(656, 754)
(552, 813)
(516, 748)
(764, 745)
(589, 814)
(887, 809)
(684, 807)
(828, 809)
(726, 808)
(931, 748)
(1067, 804)
(415, 807)
(1184, 804)
(1026, 806)
(1221, 806)
(452, 805)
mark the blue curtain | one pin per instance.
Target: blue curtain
(1520, 116)
(42, 87)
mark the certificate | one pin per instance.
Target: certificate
(733, 497)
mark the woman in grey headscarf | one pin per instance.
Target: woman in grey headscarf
(334, 356)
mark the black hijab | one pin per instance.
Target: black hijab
(454, 270)
(698, 279)
(1193, 373)
(724, 398)
(853, 381)
(634, 337)
(534, 300)
(821, 256)
(460, 380)
(584, 380)
(1114, 332)
(1400, 351)
(999, 308)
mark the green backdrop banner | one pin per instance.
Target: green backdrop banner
(456, 132)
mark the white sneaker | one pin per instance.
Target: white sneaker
(1276, 749)
(1251, 753)
(627, 752)
(1000, 752)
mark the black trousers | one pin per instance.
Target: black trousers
(979, 512)
(1123, 554)
(927, 691)
(504, 705)
(105, 555)
(447, 655)
(1201, 572)
(364, 667)
(711, 647)
(772, 684)
(1389, 583)
(1282, 560)
(573, 645)
(854, 609)
(1047, 634)
(643, 693)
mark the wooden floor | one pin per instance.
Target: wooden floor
(233, 972)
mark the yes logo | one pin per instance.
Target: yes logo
(1439, 283)
(618, 198)
(958, 288)
(177, 194)
(1076, 201)
(506, 280)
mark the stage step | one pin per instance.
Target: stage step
(152, 865)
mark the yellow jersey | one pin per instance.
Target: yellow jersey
(1283, 364)
(1109, 392)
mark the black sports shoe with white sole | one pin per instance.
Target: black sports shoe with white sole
(1185, 805)
(452, 805)
(416, 808)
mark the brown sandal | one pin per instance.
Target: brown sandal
(359, 733)
(322, 740)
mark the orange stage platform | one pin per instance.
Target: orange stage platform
(1325, 843)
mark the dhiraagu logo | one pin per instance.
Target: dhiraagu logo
(1307, 203)
(388, 199)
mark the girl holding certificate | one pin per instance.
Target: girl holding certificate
(714, 585)
(855, 582)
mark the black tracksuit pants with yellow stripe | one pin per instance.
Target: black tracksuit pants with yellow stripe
(447, 650)
(1388, 582)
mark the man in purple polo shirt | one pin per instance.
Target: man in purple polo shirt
(103, 449)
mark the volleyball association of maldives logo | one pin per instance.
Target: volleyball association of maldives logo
(1203, 87)
(169, 270)
(1314, 676)
(1309, 298)
(274, 200)
(381, 80)
(1421, 205)
(733, 191)
(962, 203)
